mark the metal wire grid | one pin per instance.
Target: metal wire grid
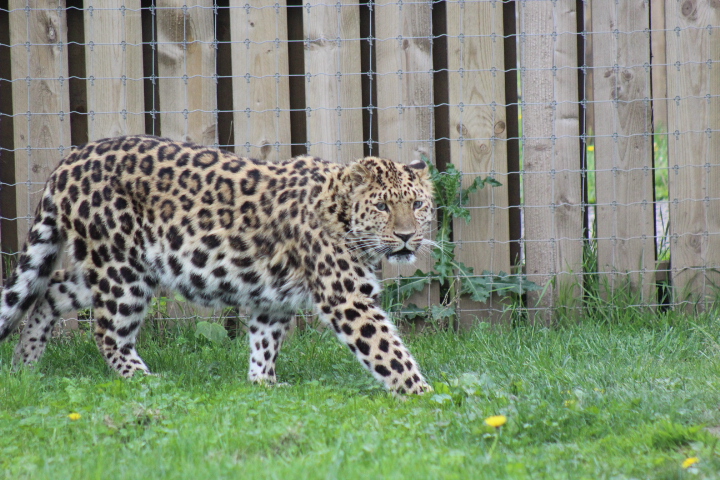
(371, 139)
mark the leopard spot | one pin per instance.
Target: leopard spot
(363, 346)
(397, 366)
(368, 330)
(205, 159)
(249, 185)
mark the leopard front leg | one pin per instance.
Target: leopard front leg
(368, 332)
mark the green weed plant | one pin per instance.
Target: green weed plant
(454, 278)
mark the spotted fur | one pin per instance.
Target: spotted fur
(137, 213)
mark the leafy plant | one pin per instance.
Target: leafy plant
(454, 277)
(213, 332)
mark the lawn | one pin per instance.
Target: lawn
(631, 399)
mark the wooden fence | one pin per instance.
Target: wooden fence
(599, 81)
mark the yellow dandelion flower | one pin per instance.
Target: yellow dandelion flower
(689, 462)
(591, 148)
(74, 416)
(496, 421)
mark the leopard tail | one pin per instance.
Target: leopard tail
(36, 264)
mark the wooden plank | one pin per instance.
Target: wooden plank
(659, 69)
(261, 94)
(186, 66)
(405, 100)
(40, 100)
(693, 50)
(333, 92)
(477, 132)
(113, 60)
(623, 146)
(552, 183)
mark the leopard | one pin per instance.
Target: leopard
(133, 214)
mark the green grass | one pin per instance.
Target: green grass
(627, 398)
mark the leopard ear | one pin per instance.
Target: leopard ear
(359, 173)
(417, 164)
(420, 168)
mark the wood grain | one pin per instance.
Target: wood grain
(333, 92)
(261, 94)
(623, 146)
(186, 65)
(478, 132)
(41, 101)
(693, 84)
(552, 183)
(113, 62)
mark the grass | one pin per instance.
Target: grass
(628, 398)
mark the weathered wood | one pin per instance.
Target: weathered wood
(261, 94)
(405, 99)
(693, 148)
(40, 100)
(623, 146)
(478, 133)
(659, 69)
(186, 64)
(552, 182)
(333, 92)
(113, 61)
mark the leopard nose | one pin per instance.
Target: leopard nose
(404, 236)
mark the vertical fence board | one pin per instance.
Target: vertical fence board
(623, 145)
(333, 92)
(478, 130)
(658, 64)
(693, 50)
(405, 99)
(41, 103)
(113, 59)
(186, 66)
(552, 183)
(261, 94)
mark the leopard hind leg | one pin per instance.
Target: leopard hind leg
(36, 263)
(119, 314)
(66, 292)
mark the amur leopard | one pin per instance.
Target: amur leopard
(137, 213)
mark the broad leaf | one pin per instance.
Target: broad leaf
(504, 283)
(214, 332)
(439, 312)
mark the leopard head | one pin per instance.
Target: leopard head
(391, 209)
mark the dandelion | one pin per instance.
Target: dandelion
(689, 462)
(496, 421)
(74, 416)
(591, 148)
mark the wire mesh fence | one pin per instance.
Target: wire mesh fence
(596, 121)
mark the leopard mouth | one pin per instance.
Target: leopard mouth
(404, 255)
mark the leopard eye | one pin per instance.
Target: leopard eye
(382, 206)
(417, 204)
